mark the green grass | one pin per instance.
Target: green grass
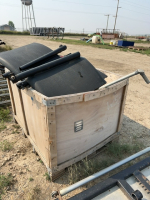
(105, 46)
(86, 168)
(5, 181)
(48, 178)
(14, 33)
(4, 117)
(144, 52)
(120, 151)
(2, 125)
(112, 154)
(141, 41)
(5, 48)
(31, 179)
(6, 145)
(4, 114)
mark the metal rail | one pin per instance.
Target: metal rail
(100, 173)
(139, 71)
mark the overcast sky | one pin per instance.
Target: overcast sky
(76, 15)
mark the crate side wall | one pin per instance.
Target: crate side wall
(37, 123)
(100, 120)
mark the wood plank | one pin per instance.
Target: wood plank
(11, 97)
(100, 119)
(36, 118)
(26, 131)
(87, 153)
(122, 107)
(52, 136)
(103, 92)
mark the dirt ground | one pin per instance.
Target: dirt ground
(24, 165)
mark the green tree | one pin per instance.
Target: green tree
(10, 23)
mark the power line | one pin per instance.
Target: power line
(71, 11)
(136, 5)
(135, 11)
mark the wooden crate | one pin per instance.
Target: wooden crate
(49, 122)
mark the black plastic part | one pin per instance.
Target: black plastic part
(22, 85)
(113, 181)
(7, 75)
(75, 76)
(15, 58)
(42, 58)
(43, 67)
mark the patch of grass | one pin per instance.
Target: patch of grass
(31, 179)
(2, 125)
(48, 178)
(15, 32)
(100, 45)
(5, 48)
(119, 151)
(6, 145)
(112, 154)
(4, 114)
(41, 162)
(5, 181)
(16, 126)
(86, 168)
(141, 41)
(33, 194)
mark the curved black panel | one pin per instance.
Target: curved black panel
(15, 58)
(75, 76)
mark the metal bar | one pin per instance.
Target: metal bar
(128, 190)
(25, 15)
(3, 81)
(30, 17)
(102, 172)
(110, 182)
(44, 57)
(3, 85)
(4, 94)
(139, 71)
(33, 15)
(4, 102)
(5, 89)
(41, 68)
(142, 179)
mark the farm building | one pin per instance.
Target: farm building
(6, 27)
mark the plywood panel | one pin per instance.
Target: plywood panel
(37, 122)
(18, 105)
(100, 119)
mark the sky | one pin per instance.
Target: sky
(82, 15)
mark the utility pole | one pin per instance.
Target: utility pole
(107, 22)
(116, 15)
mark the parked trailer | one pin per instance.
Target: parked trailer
(48, 31)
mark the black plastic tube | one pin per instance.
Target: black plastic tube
(48, 55)
(41, 68)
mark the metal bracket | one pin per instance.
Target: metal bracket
(49, 102)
